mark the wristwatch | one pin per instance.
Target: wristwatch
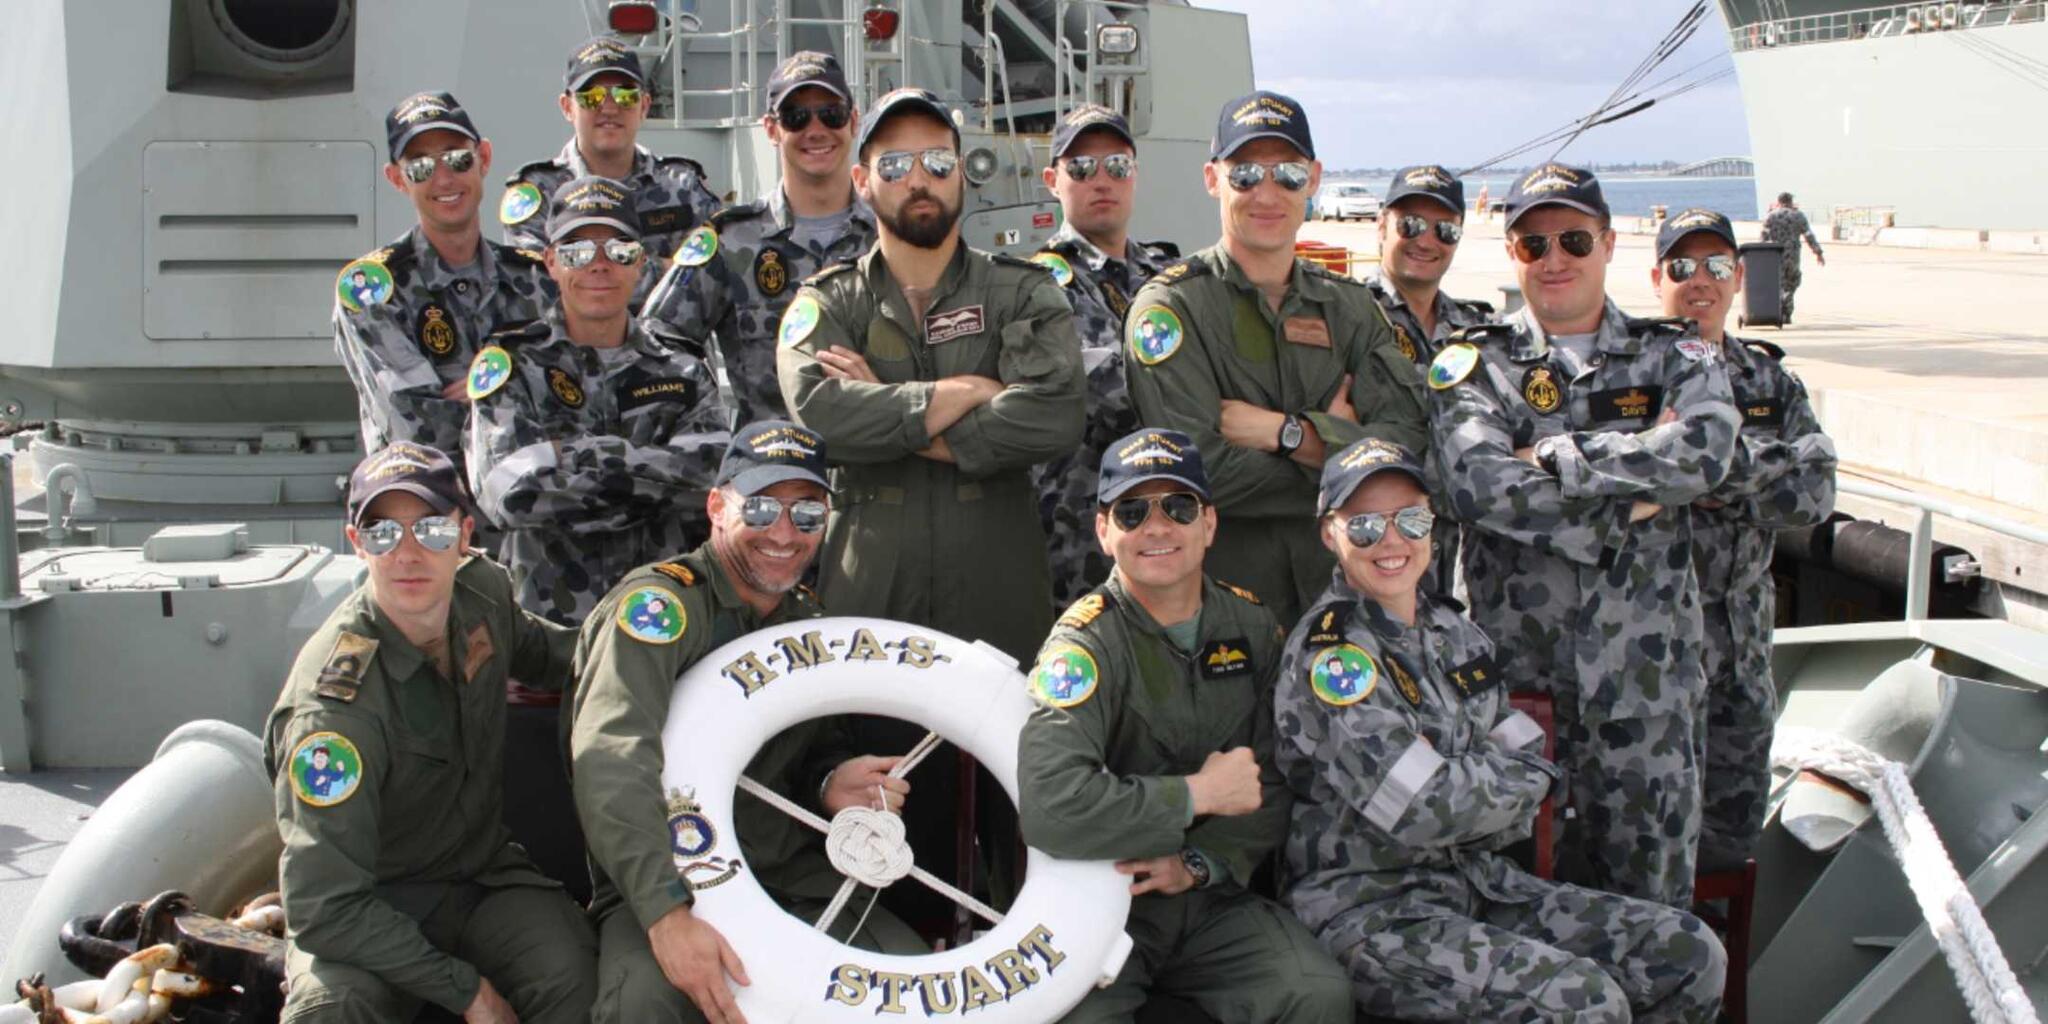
(1290, 434)
(1197, 865)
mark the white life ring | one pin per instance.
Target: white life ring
(1913, 19)
(1064, 934)
(1948, 15)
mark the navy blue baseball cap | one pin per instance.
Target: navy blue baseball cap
(423, 112)
(1694, 221)
(597, 55)
(1556, 184)
(592, 200)
(1150, 454)
(1428, 180)
(768, 452)
(1360, 461)
(807, 67)
(423, 471)
(1086, 118)
(902, 101)
(1261, 115)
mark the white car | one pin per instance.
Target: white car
(1347, 201)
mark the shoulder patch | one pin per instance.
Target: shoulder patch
(1480, 334)
(364, 283)
(510, 333)
(347, 660)
(1764, 348)
(545, 165)
(326, 769)
(697, 247)
(1182, 270)
(735, 213)
(1240, 592)
(1478, 306)
(798, 321)
(1155, 333)
(1064, 677)
(1013, 261)
(1451, 366)
(676, 571)
(652, 615)
(519, 203)
(1086, 610)
(683, 162)
(838, 266)
(1328, 628)
(506, 252)
(1342, 675)
(1062, 271)
(488, 372)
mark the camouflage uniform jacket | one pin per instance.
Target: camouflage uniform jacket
(1226, 342)
(1452, 316)
(668, 192)
(1100, 289)
(1409, 775)
(1101, 771)
(614, 724)
(592, 461)
(410, 805)
(918, 539)
(735, 285)
(401, 352)
(1783, 477)
(1578, 598)
(1786, 225)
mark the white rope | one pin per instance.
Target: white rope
(1953, 917)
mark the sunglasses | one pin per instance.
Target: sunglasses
(894, 165)
(576, 255)
(1291, 175)
(593, 97)
(1720, 267)
(1116, 165)
(761, 511)
(1181, 507)
(435, 533)
(1530, 248)
(1366, 528)
(796, 119)
(418, 169)
(1447, 231)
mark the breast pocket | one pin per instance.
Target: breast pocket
(425, 780)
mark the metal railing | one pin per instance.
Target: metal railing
(1881, 22)
(1074, 85)
(1920, 556)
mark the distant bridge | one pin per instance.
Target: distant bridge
(1719, 167)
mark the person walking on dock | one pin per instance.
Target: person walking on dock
(1786, 224)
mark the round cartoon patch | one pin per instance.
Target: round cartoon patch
(1453, 365)
(1062, 271)
(362, 284)
(1065, 677)
(566, 390)
(799, 320)
(1342, 675)
(520, 202)
(325, 769)
(488, 372)
(691, 835)
(697, 247)
(1155, 334)
(652, 615)
(1540, 390)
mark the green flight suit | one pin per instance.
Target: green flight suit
(1199, 333)
(401, 883)
(621, 703)
(1101, 772)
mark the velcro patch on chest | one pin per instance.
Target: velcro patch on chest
(1226, 659)
(565, 388)
(1540, 389)
(435, 330)
(666, 218)
(1761, 412)
(940, 328)
(1312, 331)
(1476, 676)
(771, 272)
(640, 391)
(1404, 681)
(1631, 403)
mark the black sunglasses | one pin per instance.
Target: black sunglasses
(418, 169)
(1116, 165)
(1412, 226)
(894, 166)
(1182, 507)
(761, 511)
(1366, 528)
(1720, 267)
(1530, 248)
(435, 533)
(1291, 175)
(795, 119)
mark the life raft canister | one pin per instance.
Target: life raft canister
(1062, 937)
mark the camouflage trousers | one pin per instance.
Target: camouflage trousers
(1066, 508)
(1788, 280)
(1742, 711)
(1571, 955)
(1632, 821)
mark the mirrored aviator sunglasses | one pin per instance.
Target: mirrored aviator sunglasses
(435, 533)
(418, 169)
(1720, 267)
(795, 119)
(1181, 507)
(1291, 175)
(1578, 242)
(761, 511)
(1365, 529)
(894, 165)
(579, 254)
(1116, 165)
(1447, 231)
(623, 95)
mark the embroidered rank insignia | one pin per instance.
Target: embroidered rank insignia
(678, 572)
(1062, 271)
(697, 247)
(435, 330)
(1065, 677)
(519, 202)
(1453, 365)
(565, 388)
(488, 372)
(1633, 403)
(477, 649)
(325, 769)
(347, 660)
(1405, 683)
(1329, 626)
(363, 283)
(1079, 614)
(1540, 390)
(1343, 675)
(652, 615)
(1155, 335)
(1406, 344)
(771, 274)
(1226, 658)
(798, 321)
(690, 833)
(1240, 591)
(1476, 676)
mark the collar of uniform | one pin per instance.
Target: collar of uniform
(891, 298)
(784, 215)
(1383, 624)
(705, 561)
(637, 335)
(1136, 614)
(1384, 290)
(1737, 355)
(1299, 281)
(398, 655)
(572, 158)
(1532, 342)
(1091, 256)
(433, 267)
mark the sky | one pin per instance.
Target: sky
(1393, 82)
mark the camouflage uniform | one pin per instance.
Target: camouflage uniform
(668, 192)
(1784, 477)
(738, 286)
(400, 353)
(1787, 225)
(1101, 775)
(1100, 289)
(1600, 613)
(1230, 344)
(1410, 773)
(592, 461)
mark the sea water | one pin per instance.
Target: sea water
(1633, 197)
